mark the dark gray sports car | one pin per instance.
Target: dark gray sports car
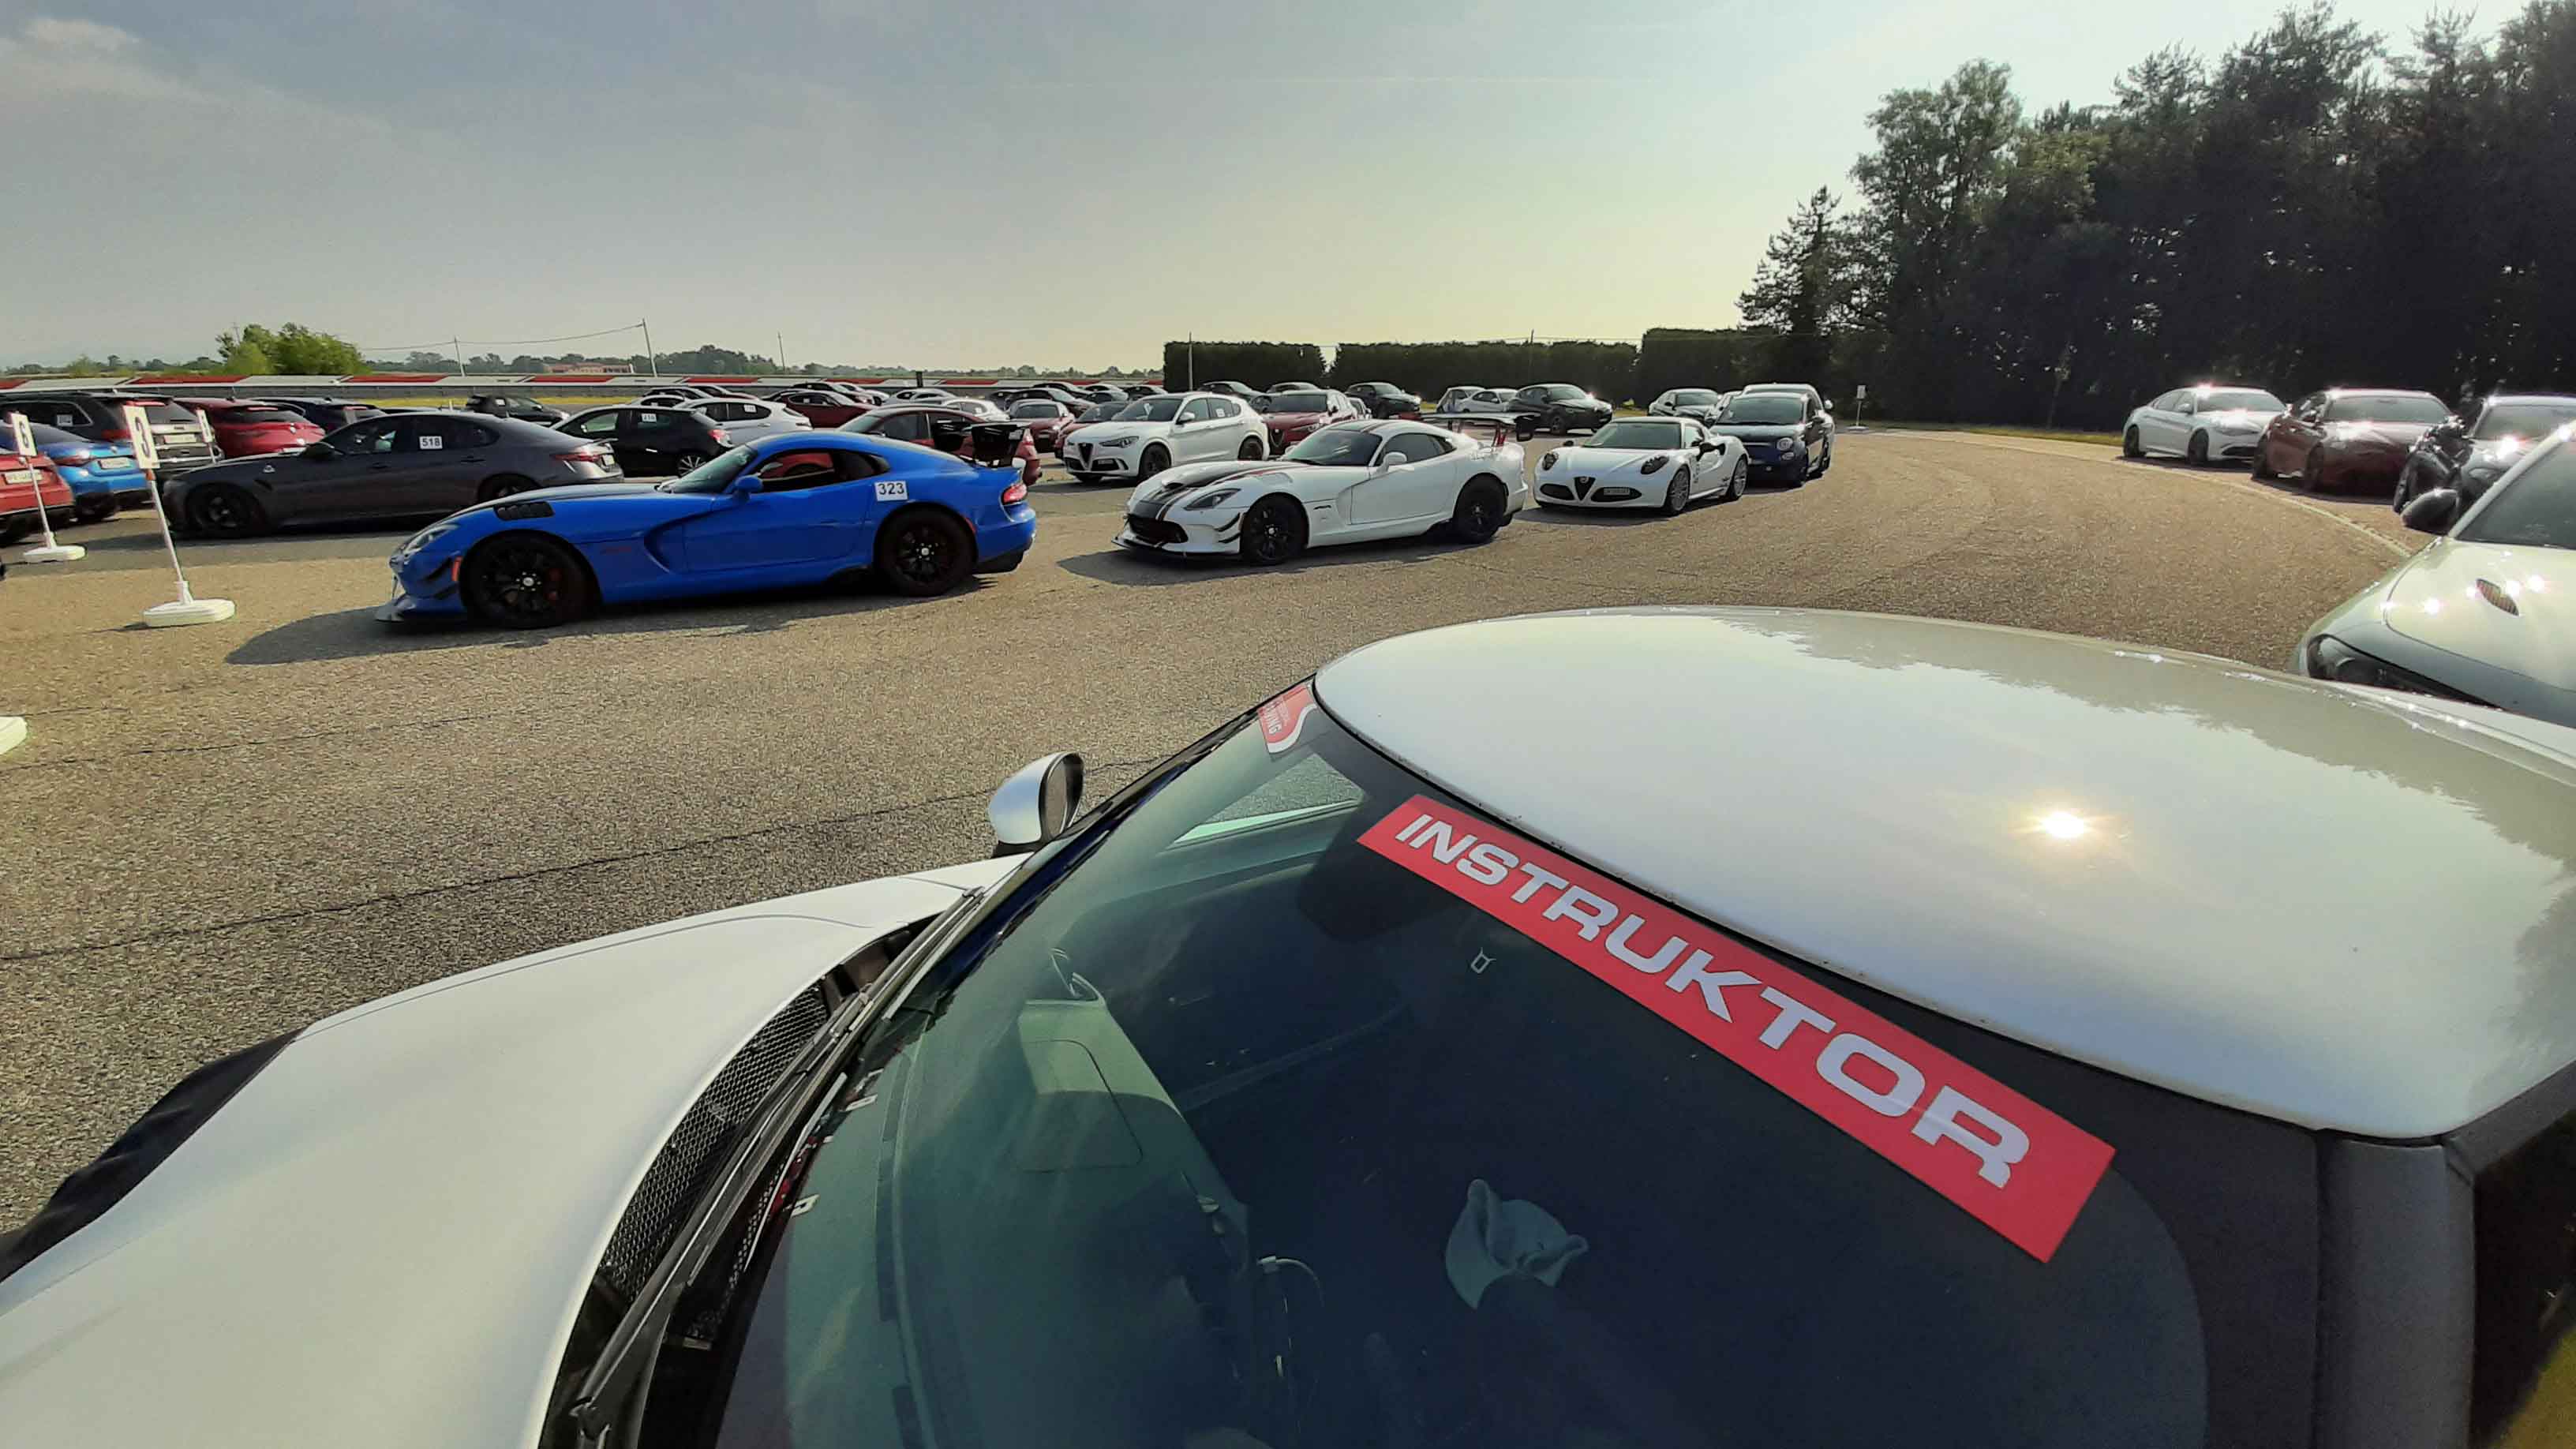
(406, 466)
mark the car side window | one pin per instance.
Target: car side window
(367, 437)
(1197, 410)
(597, 425)
(795, 471)
(2183, 404)
(462, 434)
(904, 428)
(652, 420)
(1412, 448)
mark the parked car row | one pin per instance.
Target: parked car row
(2350, 440)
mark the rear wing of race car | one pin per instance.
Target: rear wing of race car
(1504, 429)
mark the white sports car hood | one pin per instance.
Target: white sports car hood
(2513, 608)
(1169, 488)
(382, 1238)
(1605, 462)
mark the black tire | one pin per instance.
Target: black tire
(1156, 459)
(1274, 531)
(2312, 473)
(1824, 461)
(524, 581)
(2405, 493)
(1737, 481)
(1523, 429)
(2129, 447)
(924, 551)
(688, 462)
(95, 512)
(1676, 492)
(2198, 451)
(2263, 461)
(1250, 451)
(1481, 507)
(224, 511)
(503, 487)
(16, 527)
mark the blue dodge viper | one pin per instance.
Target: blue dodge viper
(798, 508)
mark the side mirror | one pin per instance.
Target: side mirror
(743, 484)
(319, 451)
(2433, 511)
(1034, 805)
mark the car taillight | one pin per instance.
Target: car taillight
(721, 437)
(582, 455)
(73, 458)
(113, 435)
(1016, 493)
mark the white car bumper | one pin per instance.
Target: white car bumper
(1214, 533)
(1563, 488)
(1098, 462)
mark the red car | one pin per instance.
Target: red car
(1290, 413)
(1047, 421)
(2347, 440)
(249, 429)
(946, 429)
(823, 407)
(28, 482)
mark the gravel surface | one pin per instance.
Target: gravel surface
(217, 834)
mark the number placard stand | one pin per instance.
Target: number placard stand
(13, 732)
(187, 608)
(23, 438)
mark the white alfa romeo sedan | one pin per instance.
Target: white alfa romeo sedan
(2041, 1042)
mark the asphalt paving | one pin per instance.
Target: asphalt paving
(217, 834)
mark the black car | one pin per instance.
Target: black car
(1558, 407)
(1787, 438)
(1137, 389)
(652, 441)
(328, 414)
(506, 405)
(180, 439)
(1384, 399)
(416, 465)
(2470, 453)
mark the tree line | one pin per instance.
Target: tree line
(2316, 206)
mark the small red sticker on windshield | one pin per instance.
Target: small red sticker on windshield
(1284, 718)
(2016, 1166)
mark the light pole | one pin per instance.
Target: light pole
(652, 362)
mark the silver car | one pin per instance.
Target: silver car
(2008, 1053)
(2485, 613)
(748, 420)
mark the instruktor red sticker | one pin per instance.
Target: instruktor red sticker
(1284, 718)
(2018, 1167)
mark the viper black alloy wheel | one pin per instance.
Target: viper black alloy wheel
(924, 553)
(524, 581)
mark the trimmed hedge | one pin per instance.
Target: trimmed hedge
(1258, 364)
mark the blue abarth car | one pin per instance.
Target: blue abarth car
(103, 477)
(797, 509)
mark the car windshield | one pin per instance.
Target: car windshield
(2523, 420)
(1637, 433)
(1103, 412)
(2536, 507)
(1246, 1119)
(2400, 409)
(246, 417)
(1151, 410)
(1292, 402)
(712, 475)
(2222, 400)
(1765, 407)
(1336, 447)
(1694, 397)
(1036, 409)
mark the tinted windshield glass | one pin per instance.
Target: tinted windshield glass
(1636, 433)
(2230, 399)
(712, 475)
(2537, 507)
(2522, 420)
(1560, 391)
(1227, 1128)
(1151, 410)
(1292, 402)
(1036, 409)
(1764, 407)
(1103, 412)
(1695, 397)
(2426, 410)
(1339, 447)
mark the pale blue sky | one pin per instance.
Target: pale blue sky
(898, 182)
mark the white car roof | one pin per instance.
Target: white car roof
(2329, 905)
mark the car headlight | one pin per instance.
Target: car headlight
(1547, 462)
(1209, 500)
(2331, 658)
(1115, 443)
(2237, 423)
(412, 546)
(1788, 445)
(2483, 473)
(1655, 464)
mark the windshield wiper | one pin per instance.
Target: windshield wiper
(617, 1384)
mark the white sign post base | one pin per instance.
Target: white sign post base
(52, 553)
(187, 608)
(13, 732)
